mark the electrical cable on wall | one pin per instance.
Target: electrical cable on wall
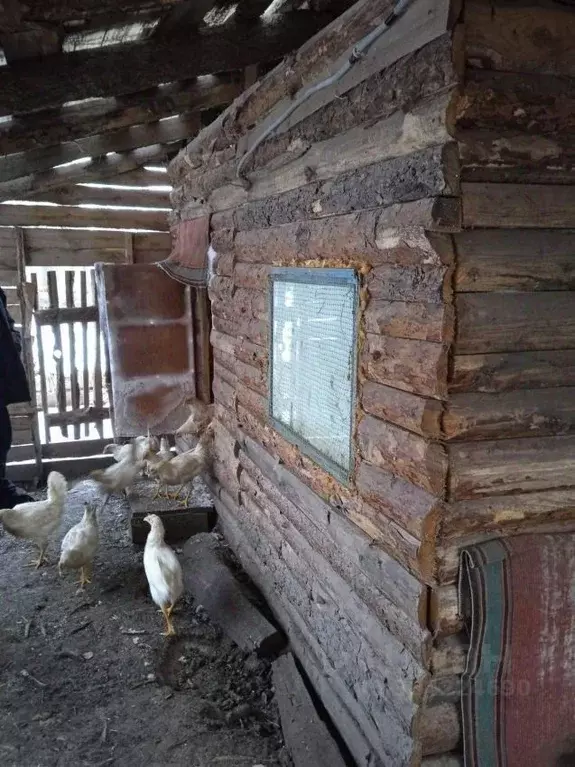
(358, 52)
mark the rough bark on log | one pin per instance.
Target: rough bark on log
(518, 206)
(404, 454)
(216, 589)
(438, 728)
(510, 466)
(255, 330)
(411, 507)
(420, 322)
(493, 29)
(492, 322)
(410, 411)
(444, 616)
(515, 370)
(528, 413)
(416, 366)
(414, 284)
(307, 738)
(520, 260)
(419, 175)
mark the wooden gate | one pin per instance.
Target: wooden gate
(70, 359)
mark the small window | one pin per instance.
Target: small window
(313, 362)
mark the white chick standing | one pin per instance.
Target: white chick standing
(119, 476)
(80, 545)
(163, 571)
(38, 520)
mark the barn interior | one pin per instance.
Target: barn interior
(348, 228)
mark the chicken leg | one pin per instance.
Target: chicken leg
(85, 576)
(167, 612)
(36, 563)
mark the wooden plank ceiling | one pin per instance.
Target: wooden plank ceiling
(95, 90)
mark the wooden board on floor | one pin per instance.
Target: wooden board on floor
(307, 738)
(180, 520)
(214, 587)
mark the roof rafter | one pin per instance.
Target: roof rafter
(51, 81)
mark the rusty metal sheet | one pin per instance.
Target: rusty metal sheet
(147, 320)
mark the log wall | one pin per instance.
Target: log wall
(438, 173)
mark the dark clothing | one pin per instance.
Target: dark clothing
(13, 384)
(13, 388)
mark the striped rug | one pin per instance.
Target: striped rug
(518, 690)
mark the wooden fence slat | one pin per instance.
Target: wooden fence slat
(66, 315)
(98, 399)
(60, 380)
(74, 388)
(41, 361)
(85, 371)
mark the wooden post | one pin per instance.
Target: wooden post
(26, 295)
(74, 387)
(129, 245)
(60, 381)
(41, 362)
(85, 370)
(204, 357)
(98, 399)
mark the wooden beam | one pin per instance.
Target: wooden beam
(70, 216)
(517, 206)
(94, 170)
(66, 314)
(129, 68)
(82, 195)
(53, 126)
(183, 18)
(175, 128)
(80, 10)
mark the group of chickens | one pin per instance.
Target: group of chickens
(38, 521)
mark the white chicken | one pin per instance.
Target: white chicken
(121, 452)
(185, 466)
(119, 476)
(153, 458)
(200, 416)
(38, 520)
(80, 545)
(163, 571)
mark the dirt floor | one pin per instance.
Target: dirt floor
(87, 680)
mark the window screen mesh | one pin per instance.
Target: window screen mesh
(313, 361)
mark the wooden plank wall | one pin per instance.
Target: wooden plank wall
(368, 179)
(69, 234)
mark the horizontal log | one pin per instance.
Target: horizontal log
(515, 106)
(308, 65)
(508, 515)
(411, 365)
(518, 206)
(417, 284)
(528, 413)
(85, 256)
(69, 417)
(307, 737)
(70, 216)
(493, 29)
(332, 543)
(413, 509)
(347, 238)
(88, 118)
(103, 72)
(505, 372)
(71, 468)
(421, 322)
(492, 322)
(175, 128)
(454, 759)
(420, 175)
(73, 240)
(66, 314)
(141, 177)
(520, 260)
(510, 466)
(403, 453)
(410, 411)
(444, 613)
(397, 136)
(82, 195)
(438, 728)
(94, 170)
